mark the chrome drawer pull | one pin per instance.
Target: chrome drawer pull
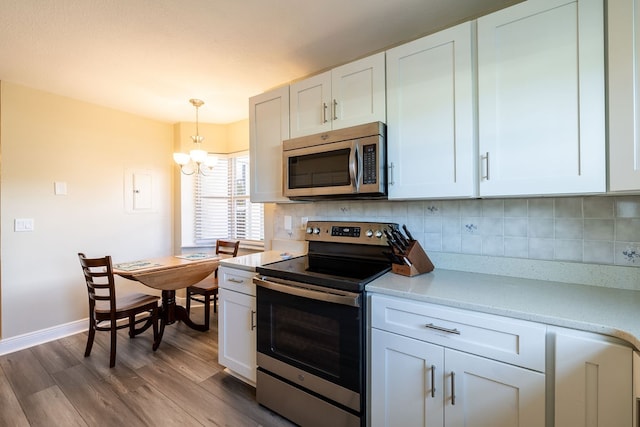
(234, 280)
(441, 329)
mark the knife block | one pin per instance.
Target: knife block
(420, 262)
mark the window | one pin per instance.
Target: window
(222, 209)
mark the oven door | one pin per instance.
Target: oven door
(305, 330)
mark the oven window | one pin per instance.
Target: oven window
(322, 338)
(299, 335)
(326, 169)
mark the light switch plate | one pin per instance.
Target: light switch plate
(23, 224)
(288, 223)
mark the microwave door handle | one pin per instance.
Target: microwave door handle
(355, 166)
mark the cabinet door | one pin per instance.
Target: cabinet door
(541, 98)
(481, 392)
(268, 127)
(624, 94)
(593, 382)
(406, 381)
(236, 333)
(430, 134)
(358, 92)
(311, 105)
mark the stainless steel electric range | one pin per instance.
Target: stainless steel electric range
(311, 324)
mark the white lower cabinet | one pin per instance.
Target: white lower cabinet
(593, 380)
(236, 323)
(419, 383)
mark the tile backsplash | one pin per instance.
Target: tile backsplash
(590, 229)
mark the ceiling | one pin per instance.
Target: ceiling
(149, 57)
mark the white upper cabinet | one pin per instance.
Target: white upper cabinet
(541, 99)
(624, 95)
(268, 127)
(346, 96)
(430, 127)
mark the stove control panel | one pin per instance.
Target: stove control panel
(338, 230)
(368, 233)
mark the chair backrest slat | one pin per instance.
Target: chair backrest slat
(227, 247)
(98, 275)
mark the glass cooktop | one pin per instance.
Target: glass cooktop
(349, 274)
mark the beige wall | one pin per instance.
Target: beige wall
(46, 138)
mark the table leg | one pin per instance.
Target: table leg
(170, 312)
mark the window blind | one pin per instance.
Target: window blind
(222, 207)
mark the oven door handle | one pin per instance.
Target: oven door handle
(302, 290)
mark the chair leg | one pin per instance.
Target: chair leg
(132, 326)
(154, 318)
(92, 334)
(215, 303)
(188, 305)
(207, 310)
(114, 336)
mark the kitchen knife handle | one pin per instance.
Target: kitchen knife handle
(406, 231)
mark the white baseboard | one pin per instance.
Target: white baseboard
(10, 345)
(20, 342)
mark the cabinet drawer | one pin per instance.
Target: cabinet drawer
(236, 280)
(500, 338)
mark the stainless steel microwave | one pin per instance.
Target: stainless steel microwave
(344, 163)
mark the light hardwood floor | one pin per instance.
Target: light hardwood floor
(181, 384)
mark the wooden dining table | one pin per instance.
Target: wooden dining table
(169, 274)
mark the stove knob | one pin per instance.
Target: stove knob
(309, 230)
(369, 233)
(378, 234)
(316, 230)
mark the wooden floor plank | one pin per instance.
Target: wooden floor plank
(54, 356)
(94, 399)
(11, 413)
(25, 373)
(50, 406)
(155, 409)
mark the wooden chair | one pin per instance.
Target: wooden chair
(208, 287)
(105, 309)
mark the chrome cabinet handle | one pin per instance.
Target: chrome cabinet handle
(442, 329)
(391, 182)
(453, 388)
(485, 160)
(324, 112)
(234, 280)
(335, 110)
(433, 380)
(253, 319)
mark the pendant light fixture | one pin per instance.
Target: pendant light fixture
(198, 160)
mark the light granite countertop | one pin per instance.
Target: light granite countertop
(251, 261)
(614, 312)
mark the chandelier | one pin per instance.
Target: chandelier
(198, 160)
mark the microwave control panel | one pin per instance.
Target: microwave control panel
(369, 164)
